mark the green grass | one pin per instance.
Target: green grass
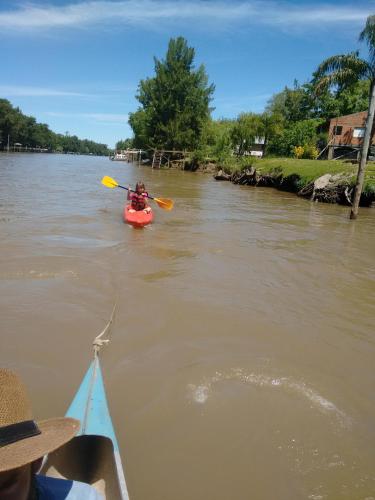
(306, 170)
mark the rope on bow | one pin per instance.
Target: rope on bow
(99, 341)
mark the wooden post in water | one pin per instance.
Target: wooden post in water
(364, 151)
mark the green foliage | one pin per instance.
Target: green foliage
(344, 71)
(247, 127)
(217, 136)
(174, 103)
(302, 133)
(247, 162)
(199, 156)
(349, 75)
(250, 126)
(125, 144)
(291, 104)
(298, 106)
(369, 183)
(273, 125)
(341, 71)
(307, 151)
(310, 151)
(355, 98)
(304, 102)
(25, 130)
(298, 151)
(138, 122)
(231, 164)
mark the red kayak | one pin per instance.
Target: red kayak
(138, 218)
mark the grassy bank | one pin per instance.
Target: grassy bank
(303, 171)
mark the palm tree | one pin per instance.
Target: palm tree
(343, 71)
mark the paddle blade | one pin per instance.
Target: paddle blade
(109, 182)
(164, 203)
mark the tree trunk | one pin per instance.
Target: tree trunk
(364, 151)
(265, 145)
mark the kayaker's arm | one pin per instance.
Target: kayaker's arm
(164, 203)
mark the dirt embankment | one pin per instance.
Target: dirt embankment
(327, 188)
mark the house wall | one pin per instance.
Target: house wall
(349, 123)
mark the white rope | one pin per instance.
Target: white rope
(99, 341)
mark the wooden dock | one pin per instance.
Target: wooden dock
(170, 158)
(128, 155)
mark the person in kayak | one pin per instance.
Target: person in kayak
(24, 442)
(138, 198)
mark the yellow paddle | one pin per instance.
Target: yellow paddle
(165, 203)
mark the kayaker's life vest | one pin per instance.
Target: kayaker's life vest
(138, 201)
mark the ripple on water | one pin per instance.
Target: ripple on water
(160, 275)
(201, 392)
(171, 253)
(39, 275)
(178, 223)
(40, 268)
(75, 241)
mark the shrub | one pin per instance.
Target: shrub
(298, 151)
(310, 152)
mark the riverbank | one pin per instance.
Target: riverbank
(329, 181)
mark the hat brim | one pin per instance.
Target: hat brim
(54, 433)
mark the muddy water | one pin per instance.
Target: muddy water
(241, 363)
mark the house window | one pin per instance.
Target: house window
(358, 132)
(337, 130)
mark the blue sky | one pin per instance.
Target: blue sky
(75, 65)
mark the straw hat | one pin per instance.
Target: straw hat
(21, 439)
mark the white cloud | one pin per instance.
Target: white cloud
(143, 13)
(19, 91)
(232, 106)
(98, 117)
(313, 15)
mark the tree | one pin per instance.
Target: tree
(138, 123)
(247, 127)
(344, 71)
(302, 133)
(303, 102)
(292, 104)
(250, 126)
(272, 125)
(26, 130)
(218, 139)
(174, 103)
(353, 99)
(125, 144)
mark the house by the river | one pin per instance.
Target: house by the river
(346, 135)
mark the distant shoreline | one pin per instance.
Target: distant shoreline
(47, 151)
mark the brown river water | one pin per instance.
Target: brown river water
(242, 357)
